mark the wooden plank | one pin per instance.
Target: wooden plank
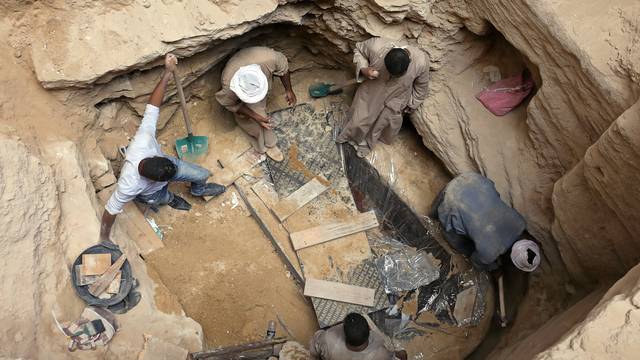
(136, 226)
(105, 280)
(339, 292)
(324, 233)
(95, 264)
(237, 167)
(275, 232)
(114, 287)
(266, 193)
(230, 351)
(465, 302)
(299, 198)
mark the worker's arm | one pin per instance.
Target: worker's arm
(281, 69)
(105, 225)
(317, 346)
(420, 89)
(289, 94)
(170, 65)
(264, 121)
(362, 56)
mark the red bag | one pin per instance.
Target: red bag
(504, 95)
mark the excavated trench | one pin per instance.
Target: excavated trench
(202, 267)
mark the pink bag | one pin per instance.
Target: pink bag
(504, 95)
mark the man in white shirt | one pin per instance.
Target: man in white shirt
(147, 171)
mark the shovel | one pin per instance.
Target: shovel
(323, 89)
(191, 146)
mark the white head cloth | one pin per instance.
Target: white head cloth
(520, 257)
(250, 84)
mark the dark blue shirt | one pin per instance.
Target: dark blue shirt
(472, 207)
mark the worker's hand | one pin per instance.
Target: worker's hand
(170, 62)
(370, 73)
(291, 98)
(266, 122)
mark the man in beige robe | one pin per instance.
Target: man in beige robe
(246, 80)
(394, 79)
(352, 340)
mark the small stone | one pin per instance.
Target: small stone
(146, 3)
(17, 54)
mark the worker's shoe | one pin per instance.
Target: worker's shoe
(210, 189)
(179, 203)
(275, 154)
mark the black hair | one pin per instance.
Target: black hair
(157, 168)
(356, 329)
(397, 61)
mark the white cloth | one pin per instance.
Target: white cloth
(143, 145)
(520, 257)
(250, 84)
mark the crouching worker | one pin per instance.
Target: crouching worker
(480, 225)
(246, 80)
(146, 171)
(351, 340)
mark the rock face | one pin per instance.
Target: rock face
(566, 159)
(47, 221)
(610, 331)
(584, 80)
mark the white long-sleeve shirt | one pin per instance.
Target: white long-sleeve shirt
(143, 145)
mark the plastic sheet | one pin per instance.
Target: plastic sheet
(402, 267)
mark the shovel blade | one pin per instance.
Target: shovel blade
(191, 147)
(319, 90)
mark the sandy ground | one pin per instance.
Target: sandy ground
(216, 259)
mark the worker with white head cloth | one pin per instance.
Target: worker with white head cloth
(246, 81)
(478, 224)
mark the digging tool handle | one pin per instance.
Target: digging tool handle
(345, 84)
(503, 315)
(183, 103)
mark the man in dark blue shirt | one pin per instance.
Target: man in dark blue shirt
(480, 225)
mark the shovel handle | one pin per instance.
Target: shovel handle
(345, 84)
(183, 103)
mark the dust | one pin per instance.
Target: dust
(297, 165)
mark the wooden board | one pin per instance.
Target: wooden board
(114, 287)
(134, 223)
(237, 167)
(299, 198)
(276, 233)
(339, 292)
(324, 233)
(158, 349)
(465, 302)
(95, 264)
(105, 280)
(266, 193)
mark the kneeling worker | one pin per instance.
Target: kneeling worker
(480, 225)
(246, 80)
(396, 80)
(147, 171)
(351, 340)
